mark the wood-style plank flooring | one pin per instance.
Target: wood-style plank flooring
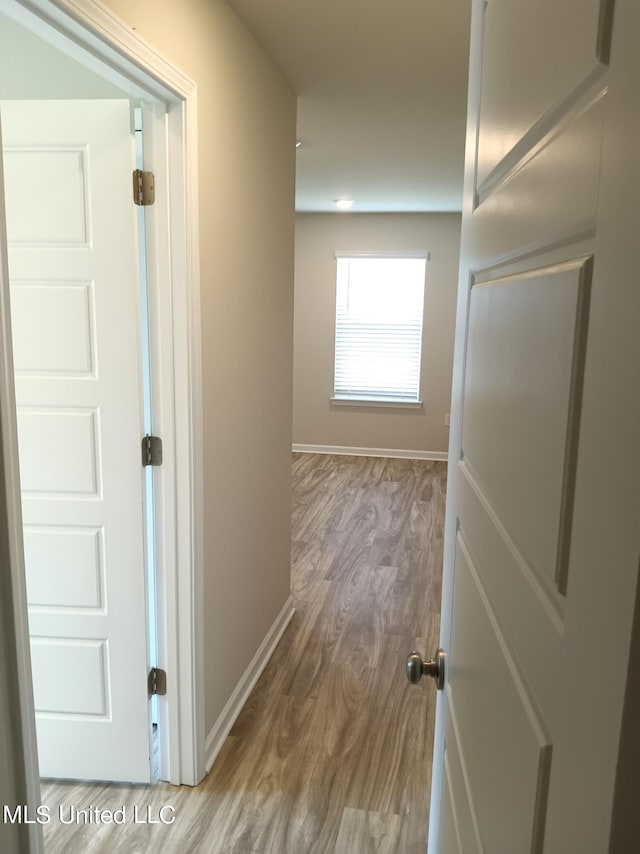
(332, 752)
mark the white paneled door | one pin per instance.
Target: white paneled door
(75, 320)
(540, 564)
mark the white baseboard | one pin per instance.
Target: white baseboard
(370, 452)
(220, 730)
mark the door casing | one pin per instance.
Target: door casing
(176, 367)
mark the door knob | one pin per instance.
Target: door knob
(417, 667)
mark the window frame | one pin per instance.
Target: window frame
(338, 399)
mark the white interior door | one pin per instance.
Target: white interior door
(75, 320)
(541, 548)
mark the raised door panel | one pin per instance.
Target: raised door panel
(536, 54)
(70, 677)
(495, 722)
(523, 380)
(64, 348)
(61, 174)
(65, 567)
(549, 197)
(59, 452)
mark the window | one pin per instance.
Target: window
(379, 314)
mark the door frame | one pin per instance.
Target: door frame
(176, 363)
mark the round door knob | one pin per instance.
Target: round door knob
(417, 667)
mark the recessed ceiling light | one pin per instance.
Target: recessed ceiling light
(343, 204)
(298, 143)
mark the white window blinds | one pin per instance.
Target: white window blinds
(379, 315)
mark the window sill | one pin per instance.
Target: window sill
(376, 402)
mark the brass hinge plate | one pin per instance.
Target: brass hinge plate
(144, 187)
(157, 682)
(151, 451)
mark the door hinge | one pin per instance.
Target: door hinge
(157, 682)
(144, 187)
(151, 451)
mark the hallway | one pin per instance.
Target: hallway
(333, 749)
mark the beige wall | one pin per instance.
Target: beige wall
(246, 160)
(315, 420)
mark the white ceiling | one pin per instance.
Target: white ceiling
(382, 88)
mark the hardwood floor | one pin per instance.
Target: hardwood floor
(332, 752)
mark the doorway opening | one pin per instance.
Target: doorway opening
(171, 355)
